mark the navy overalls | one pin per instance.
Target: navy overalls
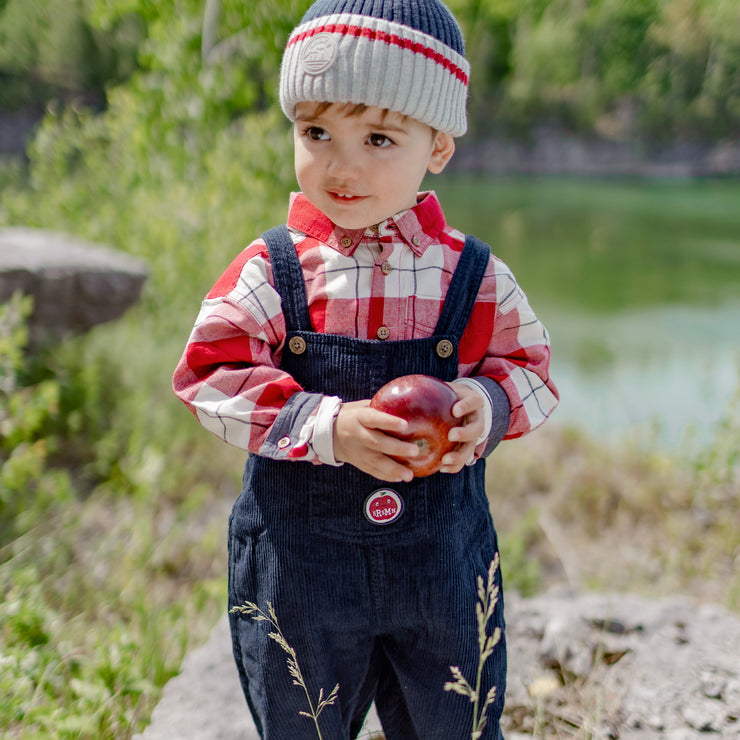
(382, 609)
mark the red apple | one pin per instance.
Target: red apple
(426, 403)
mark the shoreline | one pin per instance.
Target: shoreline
(550, 151)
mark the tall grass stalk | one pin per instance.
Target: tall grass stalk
(252, 610)
(488, 594)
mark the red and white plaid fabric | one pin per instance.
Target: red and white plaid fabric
(393, 276)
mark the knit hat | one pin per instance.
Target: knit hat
(404, 55)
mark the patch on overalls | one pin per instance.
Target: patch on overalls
(383, 506)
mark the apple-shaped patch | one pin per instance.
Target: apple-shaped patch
(426, 404)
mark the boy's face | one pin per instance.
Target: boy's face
(362, 168)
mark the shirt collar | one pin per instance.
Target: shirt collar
(418, 226)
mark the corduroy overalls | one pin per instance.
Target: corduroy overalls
(383, 610)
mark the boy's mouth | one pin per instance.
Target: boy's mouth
(347, 198)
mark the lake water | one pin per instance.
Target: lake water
(638, 284)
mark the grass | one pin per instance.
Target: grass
(111, 545)
(575, 502)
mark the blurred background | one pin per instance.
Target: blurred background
(601, 164)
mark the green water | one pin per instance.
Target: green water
(638, 284)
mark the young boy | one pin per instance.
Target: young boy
(366, 284)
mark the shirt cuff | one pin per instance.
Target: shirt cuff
(487, 406)
(322, 434)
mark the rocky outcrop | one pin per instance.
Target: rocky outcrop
(622, 666)
(552, 151)
(580, 666)
(74, 285)
(17, 127)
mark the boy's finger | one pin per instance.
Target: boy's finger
(465, 433)
(375, 419)
(387, 469)
(454, 461)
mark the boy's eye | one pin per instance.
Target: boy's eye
(379, 140)
(316, 134)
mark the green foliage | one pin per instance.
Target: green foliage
(111, 554)
(657, 69)
(13, 339)
(26, 413)
(192, 176)
(104, 577)
(50, 49)
(521, 572)
(81, 655)
(628, 68)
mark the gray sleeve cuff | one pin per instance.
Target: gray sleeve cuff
(286, 430)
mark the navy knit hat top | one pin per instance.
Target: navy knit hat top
(404, 55)
(431, 18)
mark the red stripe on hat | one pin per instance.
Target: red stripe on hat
(389, 38)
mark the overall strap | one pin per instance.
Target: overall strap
(463, 289)
(288, 277)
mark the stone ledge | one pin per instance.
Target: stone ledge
(74, 284)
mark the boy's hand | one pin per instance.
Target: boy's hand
(470, 409)
(362, 438)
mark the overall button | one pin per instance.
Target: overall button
(297, 345)
(383, 332)
(386, 268)
(345, 241)
(283, 442)
(445, 348)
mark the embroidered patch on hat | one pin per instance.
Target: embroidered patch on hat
(319, 53)
(383, 506)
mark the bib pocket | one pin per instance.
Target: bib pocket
(340, 499)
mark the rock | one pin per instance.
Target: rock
(205, 700)
(75, 285)
(551, 150)
(580, 665)
(705, 716)
(644, 668)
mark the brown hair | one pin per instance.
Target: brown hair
(354, 109)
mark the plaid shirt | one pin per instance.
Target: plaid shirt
(386, 281)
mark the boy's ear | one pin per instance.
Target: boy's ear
(442, 151)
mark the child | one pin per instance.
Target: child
(366, 284)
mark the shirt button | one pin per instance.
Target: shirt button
(345, 241)
(383, 332)
(386, 268)
(415, 241)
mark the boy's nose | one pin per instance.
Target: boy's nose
(343, 164)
